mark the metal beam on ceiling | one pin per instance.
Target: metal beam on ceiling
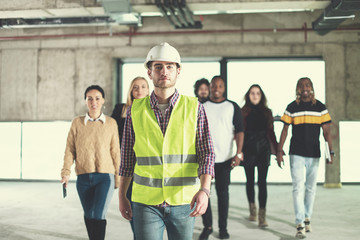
(177, 13)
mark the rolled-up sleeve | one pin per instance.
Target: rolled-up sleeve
(128, 158)
(204, 145)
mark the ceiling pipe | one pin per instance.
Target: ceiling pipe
(164, 12)
(180, 13)
(169, 8)
(177, 32)
(177, 13)
(337, 12)
(305, 31)
(184, 8)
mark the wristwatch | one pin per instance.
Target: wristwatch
(239, 155)
(332, 153)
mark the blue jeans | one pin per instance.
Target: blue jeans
(95, 192)
(150, 222)
(303, 204)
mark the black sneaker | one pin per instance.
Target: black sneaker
(205, 233)
(224, 234)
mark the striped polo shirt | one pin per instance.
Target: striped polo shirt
(306, 119)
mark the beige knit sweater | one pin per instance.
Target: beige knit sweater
(94, 147)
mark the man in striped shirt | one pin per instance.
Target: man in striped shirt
(155, 207)
(306, 115)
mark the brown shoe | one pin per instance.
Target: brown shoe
(262, 218)
(252, 209)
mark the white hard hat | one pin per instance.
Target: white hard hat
(163, 52)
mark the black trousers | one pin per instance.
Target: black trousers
(222, 182)
(128, 195)
(257, 154)
(262, 185)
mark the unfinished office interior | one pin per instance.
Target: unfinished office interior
(52, 50)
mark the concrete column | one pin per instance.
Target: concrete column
(334, 55)
(18, 81)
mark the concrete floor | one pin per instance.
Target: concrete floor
(36, 210)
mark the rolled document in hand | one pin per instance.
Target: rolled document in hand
(327, 152)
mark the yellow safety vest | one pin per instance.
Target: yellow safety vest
(166, 165)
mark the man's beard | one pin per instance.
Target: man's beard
(203, 99)
(164, 84)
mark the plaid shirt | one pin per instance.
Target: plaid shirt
(204, 145)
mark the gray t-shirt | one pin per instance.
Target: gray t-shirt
(162, 108)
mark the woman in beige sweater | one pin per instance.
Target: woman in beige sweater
(93, 144)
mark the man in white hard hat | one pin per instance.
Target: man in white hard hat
(167, 148)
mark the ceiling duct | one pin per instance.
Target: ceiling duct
(334, 14)
(177, 13)
(121, 12)
(54, 22)
(116, 12)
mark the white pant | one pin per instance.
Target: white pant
(303, 205)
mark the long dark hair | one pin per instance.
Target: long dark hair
(262, 105)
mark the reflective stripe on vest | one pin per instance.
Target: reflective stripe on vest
(157, 183)
(167, 158)
(166, 165)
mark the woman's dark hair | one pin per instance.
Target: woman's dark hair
(262, 104)
(263, 100)
(94, 87)
(198, 83)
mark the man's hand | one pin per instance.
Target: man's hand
(236, 160)
(125, 208)
(201, 199)
(279, 158)
(331, 160)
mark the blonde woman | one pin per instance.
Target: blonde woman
(93, 145)
(139, 88)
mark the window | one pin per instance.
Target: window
(349, 145)
(43, 149)
(10, 148)
(277, 78)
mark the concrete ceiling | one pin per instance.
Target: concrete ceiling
(146, 8)
(86, 13)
